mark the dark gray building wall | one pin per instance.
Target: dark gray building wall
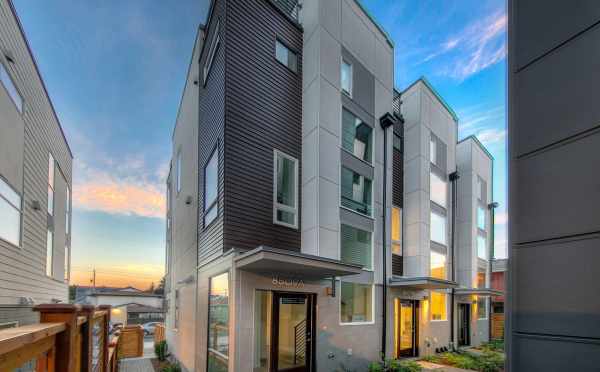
(263, 112)
(554, 193)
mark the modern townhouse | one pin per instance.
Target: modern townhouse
(35, 184)
(312, 209)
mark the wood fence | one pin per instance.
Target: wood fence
(132, 342)
(159, 333)
(69, 338)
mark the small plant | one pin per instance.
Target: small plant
(487, 361)
(160, 349)
(395, 365)
(494, 345)
(175, 367)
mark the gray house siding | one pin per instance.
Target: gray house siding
(263, 112)
(553, 313)
(22, 269)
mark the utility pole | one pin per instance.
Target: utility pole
(94, 280)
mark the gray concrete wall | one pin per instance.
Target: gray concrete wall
(553, 314)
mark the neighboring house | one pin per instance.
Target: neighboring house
(499, 268)
(136, 314)
(309, 226)
(119, 296)
(35, 183)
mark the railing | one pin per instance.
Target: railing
(69, 338)
(300, 341)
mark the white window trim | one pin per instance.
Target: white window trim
(373, 140)
(485, 306)
(20, 209)
(49, 271)
(214, 46)
(12, 81)
(372, 321)
(179, 162)
(215, 203)
(433, 174)
(372, 217)
(445, 244)
(344, 61)
(431, 310)
(370, 269)
(276, 205)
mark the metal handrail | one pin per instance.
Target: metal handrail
(299, 341)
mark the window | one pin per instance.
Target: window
(356, 303)
(397, 230)
(10, 87)
(66, 263)
(49, 253)
(68, 212)
(356, 246)
(356, 192)
(481, 247)
(481, 308)
(433, 150)
(438, 228)
(10, 214)
(285, 190)
(179, 164)
(51, 172)
(218, 323)
(346, 78)
(438, 306)
(480, 218)
(356, 136)
(480, 278)
(438, 265)
(284, 55)
(211, 178)
(177, 303)
(438, 192)
(214, 45)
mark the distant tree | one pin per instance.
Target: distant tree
(160, 290)
(151, 288)
(72, 293)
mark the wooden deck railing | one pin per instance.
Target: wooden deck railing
(159, 333)
(69, 338)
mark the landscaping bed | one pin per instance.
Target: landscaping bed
(484, 361)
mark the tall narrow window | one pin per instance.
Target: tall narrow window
(480, 217)
(51, 171)
(356, 192)
(438, 228)
(66, 263)
(397, 230)
(481, 308)
(356, 303)
(179, 165)
(10, 87)
(438, 265)
(211, 188)
(346, 78)
(218, 323)
(357, 136)
(49, 253)
(177, 303)
(356, 246)
(10, 214)
(285, 190)
(438, 189)
(438, 306)
(212, 51)
(433, 150)
(481, 247)
(68, 212)
(481, 278)
(284, 55)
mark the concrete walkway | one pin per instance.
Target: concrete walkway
(136, 365)
(432, 367)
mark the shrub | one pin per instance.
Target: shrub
(160, 349)
(394, 365)
(494, 345)
(488, 361)
(172, 368)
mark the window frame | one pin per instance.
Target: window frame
(215, 203)
(21, 104)
(341, 189)
(365, 268)
(290, 51)
(276, 205)
(433, 175)
(397, 242)
(18, 208)
(445, 218)
(371, 150)
(208, 349)
(343, 62)
(483, 213)
(215, 42)
(485, 246)
(49, 267)
(485, 308)
(51, 184)
(68, 211)
(178, 165)
(431, 306)
(67, 266)
(372, 321)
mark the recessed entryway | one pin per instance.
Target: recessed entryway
(406, 327)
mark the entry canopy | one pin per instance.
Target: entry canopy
(423, 282)
(280, 262)
(478, 292)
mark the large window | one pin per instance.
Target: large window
(438, 306)
(211, 178)
(356, 246)
(10, 214)
(356, 303)
(397, 230)
(285, 190)
(438, 228)
(438, 265)
(346, 77)
(481, 247)
(481, 308)
(214, 46)
(357, 136)
(480, 217)
(284, 55)
(51, 173)
(438, 190)
(10, 87)
(218, 323)
(49, 253)
(356, 192)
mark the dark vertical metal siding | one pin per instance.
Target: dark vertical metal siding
(398, 189)
(211, 123)
(263, 101)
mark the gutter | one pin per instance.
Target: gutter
(453, 178)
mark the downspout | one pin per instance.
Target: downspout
(492, 207)
(386, 121)
(453, 178)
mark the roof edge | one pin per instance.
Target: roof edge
(478, 143)
(369, 15)
(426, 82)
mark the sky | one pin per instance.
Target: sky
(115, 72)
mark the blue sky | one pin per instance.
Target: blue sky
(115, 71)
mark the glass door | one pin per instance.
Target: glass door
(406, 328)
(464, 322)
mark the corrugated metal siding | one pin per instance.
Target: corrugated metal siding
(210, 131)
(397, 179)
(263, 112)
(397, 265)
(22, 271)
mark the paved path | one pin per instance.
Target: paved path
(136, 365)
(432, 367)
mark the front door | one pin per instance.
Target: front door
(293, 320)
(464, 324)
(406, 328)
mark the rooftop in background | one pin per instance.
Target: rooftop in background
(500, 265)
(426, 82)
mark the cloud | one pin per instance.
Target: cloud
(491, 136)
(477, 47)
(501, 218)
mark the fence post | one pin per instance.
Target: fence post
(105, 329)
(86, 338)
(65, 342)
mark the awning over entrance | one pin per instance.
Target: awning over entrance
(478, 292)
(279, 262)
(424, 282)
